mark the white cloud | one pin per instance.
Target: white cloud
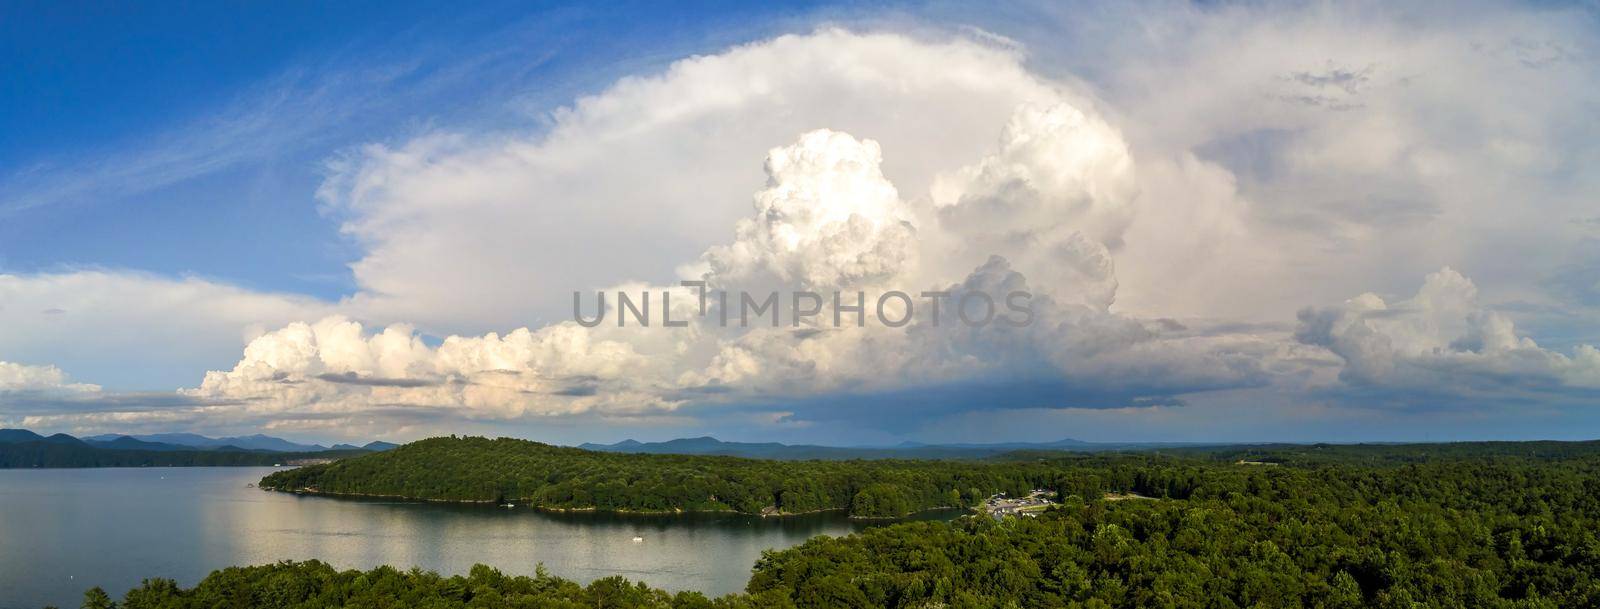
(21, 377)
(138, 330)
(1056, 198)
(1442, 341)
(469, 232)
(1216, 171)
(333, 366)
(1369, 143)
(828, 220)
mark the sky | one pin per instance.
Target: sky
(1300, 222)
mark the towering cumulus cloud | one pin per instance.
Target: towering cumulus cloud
(1057, 196)
(827, 219)
(632, 182)
(827, 222)
(1171, 217)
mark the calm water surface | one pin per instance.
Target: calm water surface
(65, 530)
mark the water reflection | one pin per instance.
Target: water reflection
(62, 531)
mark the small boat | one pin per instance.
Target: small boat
(638, 539)
(508, 505)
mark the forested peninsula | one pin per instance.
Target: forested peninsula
(469, 469)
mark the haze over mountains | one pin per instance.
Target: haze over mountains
(707, 445)
(182, 442)
(189, 441)
(21, 448)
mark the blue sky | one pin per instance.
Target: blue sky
(366, 220)
(252, 100)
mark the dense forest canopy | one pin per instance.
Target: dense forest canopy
(502, 470)
(1466, 525)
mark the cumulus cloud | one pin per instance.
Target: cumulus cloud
(827, 219)
(24, 378)
(335, 366)
(1371, 143)
(1170, 212)
(1442, 341)
(1057, 196)
(829, 222)
(463, 232)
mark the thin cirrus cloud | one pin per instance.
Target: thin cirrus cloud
(1172, 228)
(281, 117)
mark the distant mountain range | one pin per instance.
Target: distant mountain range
(907, 450)
(15, 436)
(184, 442)
(20, 448)
(265, 446)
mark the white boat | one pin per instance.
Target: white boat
(637, 539)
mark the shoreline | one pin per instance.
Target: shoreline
(311, 492)
(40, 468)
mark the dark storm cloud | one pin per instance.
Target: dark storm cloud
(1350, 81)
(905, 410)
(351, 378)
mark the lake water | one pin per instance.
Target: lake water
(65, 530)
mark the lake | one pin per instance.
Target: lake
(63, 531)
